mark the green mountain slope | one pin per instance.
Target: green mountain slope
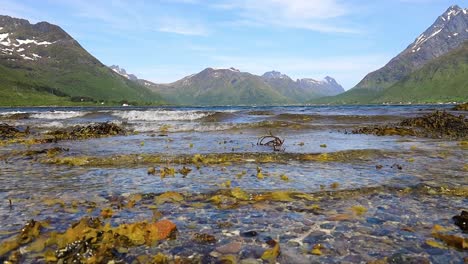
(444, 79)
(446, 34)
(40, 64)
(441, 80)
(221, 87)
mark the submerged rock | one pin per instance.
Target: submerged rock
(203, 238)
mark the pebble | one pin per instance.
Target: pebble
(231, 248)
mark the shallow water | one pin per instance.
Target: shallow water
(413, 197)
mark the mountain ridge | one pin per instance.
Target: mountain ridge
(42, 63)
(449, 32)
(207, 88)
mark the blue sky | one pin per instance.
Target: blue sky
(165, 40)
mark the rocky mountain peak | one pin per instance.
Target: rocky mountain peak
(330, 80)
(275, 75)
(448, 31)
(123, 72)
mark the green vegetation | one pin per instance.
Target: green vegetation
(60, 71)
(444, 79)
(221, 87)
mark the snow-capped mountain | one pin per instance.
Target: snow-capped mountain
(43, 61)
(302, 90)
(447, 33)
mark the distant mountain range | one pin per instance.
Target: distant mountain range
(40, 64)
(233, 87)
(431, 69)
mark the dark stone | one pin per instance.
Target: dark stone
(400, 258)
(374, 221)
(249, 234)
(327, 226)
(315, 237)
(462, 221)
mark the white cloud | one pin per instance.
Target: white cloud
(182, 27)
(315, 15)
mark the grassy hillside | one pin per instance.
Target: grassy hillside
(58, 72)
(221, 87)
(441, 80)
(444, 79)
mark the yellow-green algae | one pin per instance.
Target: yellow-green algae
(218, 158)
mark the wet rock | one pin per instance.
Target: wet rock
(7, 131)
(374, 221)
(249, 233)
(89, 131)
(250, 261)
(327, 226)
(462, 221)
(203, 238)
(315, 237)
(400, 258)
(461, 107)
(151, 171)
(435, 125)
(231, 248)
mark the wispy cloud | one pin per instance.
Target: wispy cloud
(315, 15)
(131, 16)
(182, 27)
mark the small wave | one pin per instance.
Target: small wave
(161, 115)
(11, 113)
(14, 115)
(185, 127)
(220, 117)
(53, 124)
(57, 114)
(261, 113)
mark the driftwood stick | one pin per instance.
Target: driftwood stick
(271, 141)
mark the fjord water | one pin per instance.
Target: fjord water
(396, 224)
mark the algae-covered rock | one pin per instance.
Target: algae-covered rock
(203, 238)
(7, 131)
(89, 131)
(438, 124)
(461, 107)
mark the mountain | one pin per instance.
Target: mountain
(220, 87)
(447, 33)
(302, 90)
(233, 87)
(40, 64)
(123, 72)
(443, 79)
